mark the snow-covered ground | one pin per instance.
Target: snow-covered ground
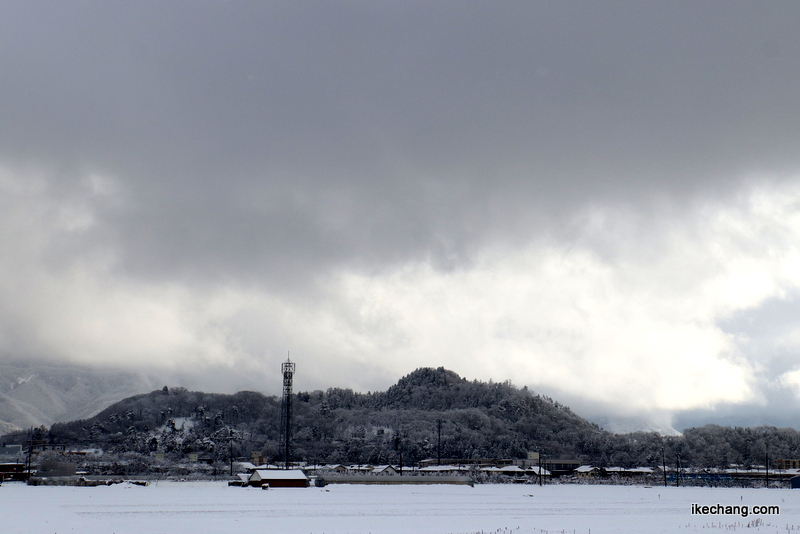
(207, 507)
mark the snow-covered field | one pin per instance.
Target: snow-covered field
(208, 507)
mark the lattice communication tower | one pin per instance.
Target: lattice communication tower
(286, 409)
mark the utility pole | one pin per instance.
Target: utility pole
(230, 447)
(30, 451)
(439, 443)
(398, 446)
(540, 469)
(664, 461)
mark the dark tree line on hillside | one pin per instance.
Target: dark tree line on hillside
(478, 420)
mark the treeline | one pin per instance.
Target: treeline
(430, 412)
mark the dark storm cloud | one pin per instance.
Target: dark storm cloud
(270, 141)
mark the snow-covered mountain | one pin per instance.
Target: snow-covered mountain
(34, 394)
(625, 425)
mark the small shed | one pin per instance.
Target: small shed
(279, 478)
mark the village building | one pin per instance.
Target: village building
(561, 466)
(334, 468)
(586, 471)
(360, 469)
(10, 451)
(245, 466)
(384, 470)
(37, 446)
(513, 470)
(278, 478)
(793, 463)
(538, 471)
(444, 470)
(12, 471)
(479, 462)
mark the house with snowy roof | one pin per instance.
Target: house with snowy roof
(512, 470)
(360, 469)
(586, 471)
(278, 478)
(327, 468)
(535, 470)
(384, 470)
(246, 466)
(444, 470)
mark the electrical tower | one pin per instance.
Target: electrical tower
(286, 409)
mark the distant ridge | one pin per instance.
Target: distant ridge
(35, 394)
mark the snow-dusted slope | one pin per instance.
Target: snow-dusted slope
(34, 394)
(625, 425)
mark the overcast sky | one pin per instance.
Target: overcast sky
(598, 200)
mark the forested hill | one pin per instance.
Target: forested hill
(478, 419)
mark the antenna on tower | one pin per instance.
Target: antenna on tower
(286, 408)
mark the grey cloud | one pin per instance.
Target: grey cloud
(768, 334)
(274, 143)
(290, 136)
